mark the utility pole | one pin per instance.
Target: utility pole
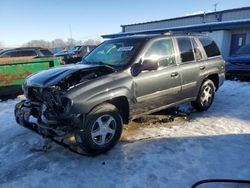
(215, 6)
(70, 31)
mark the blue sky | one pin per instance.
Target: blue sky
(24, 20)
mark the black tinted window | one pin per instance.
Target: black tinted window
(161, 51)
(210, 47)
(46, 52)
(186, 49)
(27, 53)
(10, 54)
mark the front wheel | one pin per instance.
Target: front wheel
(205, 97)
(102, 129)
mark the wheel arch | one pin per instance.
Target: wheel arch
(215, 79)
(122, 104)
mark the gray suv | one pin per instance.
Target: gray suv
(84, 106)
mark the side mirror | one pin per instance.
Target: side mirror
(148, 65)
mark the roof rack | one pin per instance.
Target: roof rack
(182, 33)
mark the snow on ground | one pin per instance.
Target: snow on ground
(213, 144)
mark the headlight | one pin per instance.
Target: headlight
(66, 104)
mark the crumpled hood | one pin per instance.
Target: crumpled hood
(53, 76)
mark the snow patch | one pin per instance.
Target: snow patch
(213, 144)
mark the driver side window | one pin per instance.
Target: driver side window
(162, 51)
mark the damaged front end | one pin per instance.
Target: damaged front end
(46, 110)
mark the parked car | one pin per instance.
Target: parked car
(81, 51)
(75, 54)
(238, 65)
(25, 52)
(120, 80)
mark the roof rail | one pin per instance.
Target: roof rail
(182, 33)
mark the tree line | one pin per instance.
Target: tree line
(57, 43)
(1, 45)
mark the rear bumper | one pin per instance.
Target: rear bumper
(238, 70)
(238, 73)
(221, 79)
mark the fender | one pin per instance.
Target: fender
(85, 106)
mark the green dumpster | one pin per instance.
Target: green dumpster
(13, 73)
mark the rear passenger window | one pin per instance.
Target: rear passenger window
(162, 51)
(186, 49)
(27, 53)
(210, 47)
(197, 52)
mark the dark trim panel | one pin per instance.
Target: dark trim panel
(158, 94)
(161, 108)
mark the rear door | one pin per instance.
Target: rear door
(154, 89)
(192, 66)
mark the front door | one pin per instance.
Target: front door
(155, 89)
(237, 41)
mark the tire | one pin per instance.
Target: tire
(205, 97)
(96, 137)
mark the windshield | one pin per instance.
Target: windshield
(244, 50)
(114, 53)
(75, 48)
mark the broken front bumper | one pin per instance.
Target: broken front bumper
(23, 114)
(63, 132)
(31, 115)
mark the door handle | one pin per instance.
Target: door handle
(174, 74)
(202, 67)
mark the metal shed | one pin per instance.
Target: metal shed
(229, 28)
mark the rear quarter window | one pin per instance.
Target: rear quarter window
(210, 47)
(46, 52)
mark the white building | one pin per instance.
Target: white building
(229, 28)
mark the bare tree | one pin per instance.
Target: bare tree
(1, 45)
(92, 42)
(37, 43)
(59, 43)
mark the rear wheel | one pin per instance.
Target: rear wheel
(102, 129)
(205, 97)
